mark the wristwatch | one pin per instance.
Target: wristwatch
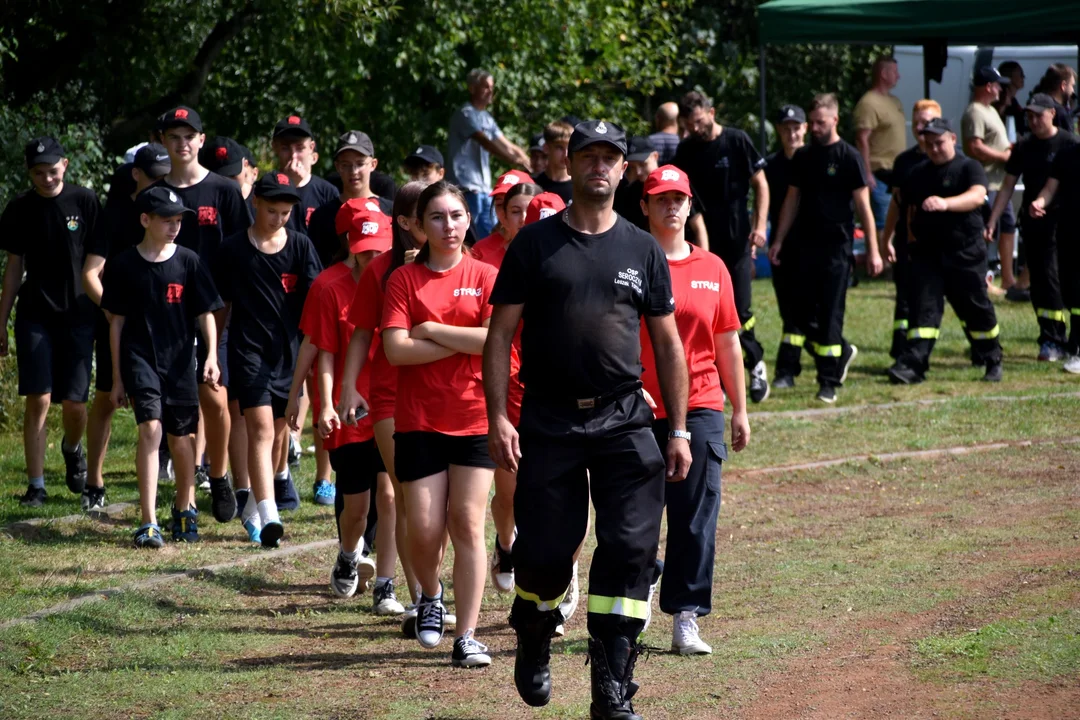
(680, 434)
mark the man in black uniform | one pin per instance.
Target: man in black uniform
(791, 129)
(294, 145)
(945, 198)
(1032, 158)
(582, 280)
(120, 229)
(827, 177)
(723, 165)
(45, 231)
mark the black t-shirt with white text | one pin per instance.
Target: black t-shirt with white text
(826, 176)
(218, 209)
(323, 231)
(1031, 160)
(719, 171)
(267, 293)
(584, 296)
(160, 303)
(51, 235)
(944, 230)
(316, 193)
(562, 188)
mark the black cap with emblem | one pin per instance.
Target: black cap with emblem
(356, 141)
(178, 116)
(161, 201)
(222, 155)
(938, 126)
(43, 151)
(426, 155)
(292, 126)
(791, 113)
(153, 160)
(591, 132)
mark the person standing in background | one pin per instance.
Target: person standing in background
(880, 135)
(666, 138)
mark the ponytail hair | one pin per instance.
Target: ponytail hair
(431, 192)
(404, 204)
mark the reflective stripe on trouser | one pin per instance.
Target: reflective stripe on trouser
(1058, 315)
(825, 275)
(1068, 257)
(900, 325)
(786, 282)
(1041, 260)
(831, 351)
(792, 339)
(567, 455)
(960, 277)
(541, 605)
(627, 607)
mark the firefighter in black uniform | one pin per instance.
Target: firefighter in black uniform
(581, 281)
(945, 199)
(791, 129)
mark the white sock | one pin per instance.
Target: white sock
(283, 475)
(38, 482)
(268, 512)
(250, 511)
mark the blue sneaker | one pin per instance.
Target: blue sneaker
(185, 525)
(254, 531)
(325, 492)
(149, 536)
(270, 537)
(285, 494)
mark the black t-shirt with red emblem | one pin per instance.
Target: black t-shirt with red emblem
(267, 293)
(160, 302)
(219, 211)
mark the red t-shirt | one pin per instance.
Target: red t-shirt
(446, 396)
(492, 250)
(366, 312)
(332, 332)
(308, 319)
(704, 308)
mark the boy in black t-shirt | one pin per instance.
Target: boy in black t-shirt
(219, 211)
(944, 199)
(44, 231)
(121, 229)
(156, 293)
(826, 179)
(556, 176)
(294, 145)
(264, 274)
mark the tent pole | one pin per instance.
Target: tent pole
(764, 138)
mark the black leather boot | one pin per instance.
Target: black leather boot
(612, 679)
(532, 671)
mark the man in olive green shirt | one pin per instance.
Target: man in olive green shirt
(880, 134)
(986, 140)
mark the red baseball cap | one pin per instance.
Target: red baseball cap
(543, 206)
(667, 178)
(370, 230)
(508, 180)
(343, 219)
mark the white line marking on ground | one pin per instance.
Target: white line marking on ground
(817, 412)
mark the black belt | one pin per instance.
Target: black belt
(884, 175)
(589, 403)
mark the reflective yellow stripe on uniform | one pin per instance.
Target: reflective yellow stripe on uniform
(900, 325)
(985, 334)
(1058, 315)
(1074, 311)
(618, 606)
(827, 350)
(749, 324)
(541, 605)
(796, 340)
(923, 334)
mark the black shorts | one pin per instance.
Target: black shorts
(176, 420)
(55, 354)
(250, 397)
(357, 466)
(420, 454)
(102, 355)
(223, 359)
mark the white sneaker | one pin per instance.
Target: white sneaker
(684, 636)
(652, 591)
(1072, 365)
(365, 570)
(384, 601)
(502, 569)
(569, 604)
(560, 630)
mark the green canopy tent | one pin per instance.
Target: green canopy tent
(930, 23)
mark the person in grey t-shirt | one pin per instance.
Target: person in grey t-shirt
(474, 137)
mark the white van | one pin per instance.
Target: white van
(954, 90)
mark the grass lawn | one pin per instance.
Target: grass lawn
(945, 586)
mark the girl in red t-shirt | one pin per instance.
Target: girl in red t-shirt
(434, 326)
(708, 325)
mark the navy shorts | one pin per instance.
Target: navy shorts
(421, 454)
(357, 466)
(55, 353)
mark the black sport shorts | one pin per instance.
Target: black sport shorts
(357, 466)
(176, 420)
(420, 454)
(55, 354)
(251, 397)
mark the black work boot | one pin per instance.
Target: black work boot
(532, 671)
(612, 679)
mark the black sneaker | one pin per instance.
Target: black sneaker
(34, 497)
(759, 383)
(429, 621)
(903, 375)
(241, 501)
(993, 373)
(502, 568)
(271, 534)
(784, 382)
(827, 394)
(75, 462)
(202, 477)
(468, 653)
(846, 358)
(1015, 294)
(285, 494)
(93, 499)
(222, 499)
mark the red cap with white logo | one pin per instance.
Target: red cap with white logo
(370, 230)
(667, 178)
(343, 219)
(508, 180)
(543, 206)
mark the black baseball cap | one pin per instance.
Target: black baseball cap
(43, 151)
(536, 142)
(427, 155)
(245, 151)
(293, 125)
(639, 149)
(181, 115)
(153, 160)
(989, 74)
(355, 140)
(1041, 102)
(222, 155)
(161, 201)
(938, 126)
(791, 113)
(276, 186)
(597, 131)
